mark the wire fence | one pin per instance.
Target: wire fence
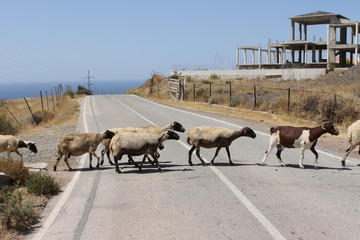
(35, 109)
(318, 105)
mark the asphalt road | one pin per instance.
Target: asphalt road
(243, 201)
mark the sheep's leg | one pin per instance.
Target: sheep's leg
(278, 154)
(348, 151)
(116, 159)
(301, 157)
(17, 152)
(95, 155)
(228, 153)
(108, 156)
(102, 156)
(131, 160)
(57, 160)
(216, 153)
(316, 164)
(156, 161)
(198, 154)
(190, 153)
(66, 161)
(8, 153)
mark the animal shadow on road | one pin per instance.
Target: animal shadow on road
(311, 167)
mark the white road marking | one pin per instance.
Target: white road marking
(64, 197)
(246, 202)
(234, 125)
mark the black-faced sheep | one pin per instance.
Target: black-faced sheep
(175, 126)
(79, 144)
(353, 135)
(215, 137)
(9, 143)
(136, 144)
(297, 137)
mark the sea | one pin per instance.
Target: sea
(15, 90)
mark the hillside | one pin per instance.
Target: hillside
(333, 97)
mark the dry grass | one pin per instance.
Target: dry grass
(272, 99)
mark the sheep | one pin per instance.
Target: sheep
(176, 126)
(10, 143)
(353, 138)
(211, 137)
(297, 137)
(135, 144)
(79, 144)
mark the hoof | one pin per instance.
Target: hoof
(343, 163)
(190, 163)
(54, 169)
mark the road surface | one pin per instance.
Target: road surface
(243, 201)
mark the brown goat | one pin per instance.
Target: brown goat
(297, 137)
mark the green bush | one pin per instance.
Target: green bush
(14, 168)
(6, 126)
(214, 76)
(70, 93)
(42, 184)
(16, 211)
(83, 90)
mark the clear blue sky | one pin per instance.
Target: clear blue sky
(59, 41)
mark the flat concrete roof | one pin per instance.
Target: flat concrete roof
(315, 18)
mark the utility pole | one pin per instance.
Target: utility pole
(88, 80)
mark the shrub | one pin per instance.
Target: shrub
(217, 99)
(311, 104)
(15, 169)
(214, 76)
(41, 184)
(42, 116)
(15, 211)
(69, 93)
(235, 100)
(6, 126)
(83, 90)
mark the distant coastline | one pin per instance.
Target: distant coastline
(32, 89)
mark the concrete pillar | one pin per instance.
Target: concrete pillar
(283, 55)
(292, 31)
(237, 57)
(245, 57)
(300, 31)
(331, 58)
(306, 54)
(357, 43)
(305, 32)
(343, 40)
(253, 57)
(313, 54)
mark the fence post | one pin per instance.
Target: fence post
(194, 92)
(288, 99)
(210, 89)
(47, 101)
(13, 116)
(30, 109)
(230, 94)
(52, 96)
(42, 103)
(254, 96)
(335, 103)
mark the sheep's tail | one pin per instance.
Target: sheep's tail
(189, 141)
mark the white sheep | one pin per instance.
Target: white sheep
(175, 126)
(136, 144)
(353, 138)
(214, 137)
(79, 144)
(10, 143)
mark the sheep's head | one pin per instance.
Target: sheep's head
(171, 135)
(330, 128)
(108, 134)
(176, 126)
(31, 145)
(248, 132)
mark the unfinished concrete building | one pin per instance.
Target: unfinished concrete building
(341, 49)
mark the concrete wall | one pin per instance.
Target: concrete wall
(286, 74)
